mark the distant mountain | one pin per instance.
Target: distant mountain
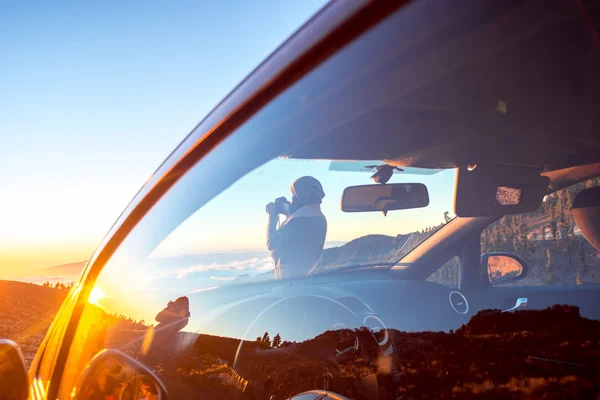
(72, 269)
(369, 249)
(372, 249)
(334, 243)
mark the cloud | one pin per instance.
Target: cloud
(237, 267)
(204, 289)
(222, 278)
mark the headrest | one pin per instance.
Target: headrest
(586, 210)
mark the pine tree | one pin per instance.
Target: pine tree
(550, 276)
(525, 247)
(266, 340)
(276, 341)
(567, 224)
(581, 256)
(553, 226)
(486, 245)
(543, 232)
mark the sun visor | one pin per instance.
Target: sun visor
(491, 189)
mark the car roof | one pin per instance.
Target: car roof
(505, 82)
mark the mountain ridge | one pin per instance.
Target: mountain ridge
(69, 269)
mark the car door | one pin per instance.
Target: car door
(43, 364)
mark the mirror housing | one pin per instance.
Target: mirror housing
(112, 372)
(13, 374)
(387, 197)
(504, 267)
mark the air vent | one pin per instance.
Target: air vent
(458, 302)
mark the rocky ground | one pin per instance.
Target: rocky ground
(528, 354)
(26, 312)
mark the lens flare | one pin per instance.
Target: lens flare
(96, 295)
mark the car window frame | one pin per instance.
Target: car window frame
(41, 370)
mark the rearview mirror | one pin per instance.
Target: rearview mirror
(114, 374)
(13, 375)
(503, 267)
(393, 196)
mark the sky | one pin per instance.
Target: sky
(236, 219)
(95, 95)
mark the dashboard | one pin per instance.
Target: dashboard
(370, 333)
(350, 325)
(376, 301)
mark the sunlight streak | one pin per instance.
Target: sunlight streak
(96, 295)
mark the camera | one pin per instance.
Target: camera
(281, 206)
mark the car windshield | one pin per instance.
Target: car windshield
(226, 239)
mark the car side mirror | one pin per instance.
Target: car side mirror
(114, 373)
(503, 267)
(13, 374)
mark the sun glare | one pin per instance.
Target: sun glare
(96, 295)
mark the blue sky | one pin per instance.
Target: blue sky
(96, 94)
(236, 218)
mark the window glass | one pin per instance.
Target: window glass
(224, 246)
(447, 274)
(549, 241)
(226, 239)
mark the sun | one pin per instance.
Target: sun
(96, 295)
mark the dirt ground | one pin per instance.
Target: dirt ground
(26, 312)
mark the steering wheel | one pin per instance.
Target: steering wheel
(321, 344)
